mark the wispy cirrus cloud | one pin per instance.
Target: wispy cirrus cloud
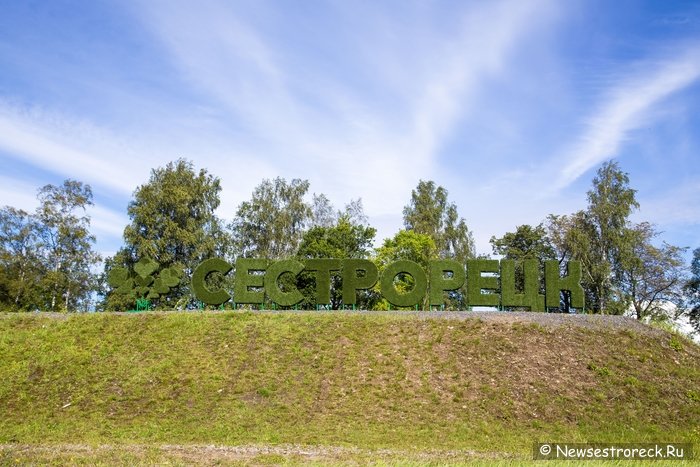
(628, 105)
(676, 206)
(374, 125)
(368, 121)
(17, 193)
(497, 101)
(72, 149)
(114, 164)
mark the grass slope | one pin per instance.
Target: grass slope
(351, 380)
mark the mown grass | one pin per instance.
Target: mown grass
(349, 380)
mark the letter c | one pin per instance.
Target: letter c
(199, 286)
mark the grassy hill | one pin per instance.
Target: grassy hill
(345, 386)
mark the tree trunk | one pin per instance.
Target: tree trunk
(19, 289)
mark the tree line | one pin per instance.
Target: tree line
(49, 263)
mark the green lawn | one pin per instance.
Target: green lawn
(366, 384)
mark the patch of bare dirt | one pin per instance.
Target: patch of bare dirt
(212, 454)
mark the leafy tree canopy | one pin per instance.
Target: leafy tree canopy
(173, 223)
(21, 260)
(272, 223)
(526, 242)
(48, 256)
(343, 240)
(649, 278)
(406, 245)
(596, 237)
(692, 290)
(65, 232)
(430, 213)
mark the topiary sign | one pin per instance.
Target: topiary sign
(143, 282)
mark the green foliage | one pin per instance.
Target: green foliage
(621, 266)
(342, 240)
(250, 280)
(272, 276)
(199, 281)
(692, 291)
(143, 284)
(445, 276)
(323, 214)
(172, 222)
(320, 248)
(322, 211)
(572, 238)
(526, 243)
(694, 395)
(322, 269)
(651, 279)
(68, 245)
(597, 238)
(430, 213)
(602, 371)
(610, 203)
(272, 223)
(21, 260)
(47, 257)
(570, 282)
(396, 292)
(676, 343)
(476, 282)
(358, 274)
(406, 245)
(410, 245)
(530, 298)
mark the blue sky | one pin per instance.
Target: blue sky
(510, 105)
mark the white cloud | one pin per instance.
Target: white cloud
(676, 206)
(627, 107)
(19, 194)
(339, 134)
(73, 149)
(112, 162)
(362, 98)
(107, 222)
